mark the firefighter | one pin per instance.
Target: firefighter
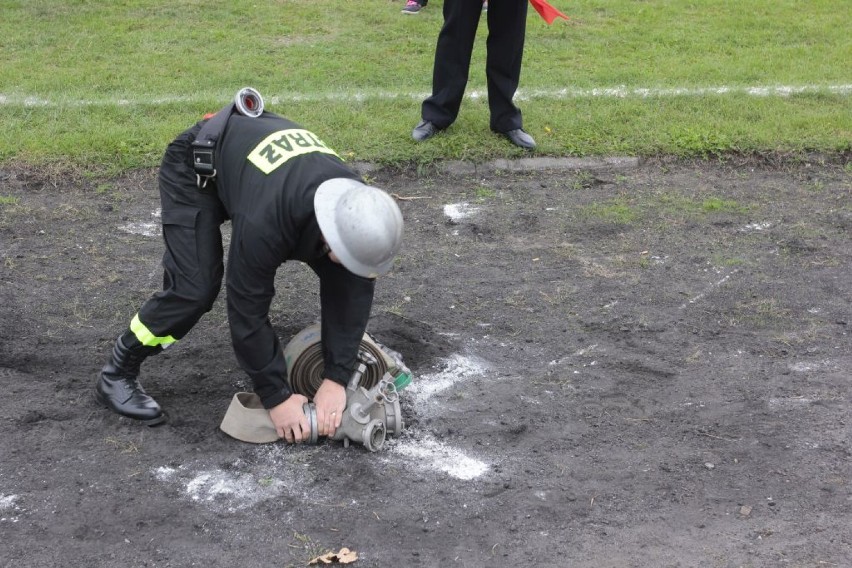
(288, 197)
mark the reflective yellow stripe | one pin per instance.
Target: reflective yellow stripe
(145, 337)
(279, 147)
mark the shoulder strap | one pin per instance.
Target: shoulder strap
(204, 145)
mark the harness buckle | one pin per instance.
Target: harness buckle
(202, 162)
(248, 102)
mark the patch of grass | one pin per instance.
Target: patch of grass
(679, 207)
(398, 308)
(614, 211)
(594, 269)
(97, 85)
(484, 193)
(801, 233)
(816, 186)
(694, 358)
(124, 446)
(583, 180)
(566, 250)
(8, 200)
(815, 333)
(310, 549)
(555, 379)
(763, 312)
(559, 297)
(698, 140)
(717, 205)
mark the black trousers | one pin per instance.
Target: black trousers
(507, 20)
(192, 263)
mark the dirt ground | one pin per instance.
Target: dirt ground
(642, 366)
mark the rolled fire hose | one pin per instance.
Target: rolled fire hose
(372, 400)
(303, 357)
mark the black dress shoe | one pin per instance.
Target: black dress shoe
(520, 138)
(424, 130)
(127, 397)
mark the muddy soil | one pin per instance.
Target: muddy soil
(613, 367)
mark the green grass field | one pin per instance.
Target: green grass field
(105, 85)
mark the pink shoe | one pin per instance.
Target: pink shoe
(412, 7)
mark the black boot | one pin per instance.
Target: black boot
(120, 391)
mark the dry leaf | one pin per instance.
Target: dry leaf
(344, 556)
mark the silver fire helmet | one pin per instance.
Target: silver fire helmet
(361, 224)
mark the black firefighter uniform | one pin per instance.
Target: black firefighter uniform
(268, 170)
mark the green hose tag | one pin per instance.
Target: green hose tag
(402, 380)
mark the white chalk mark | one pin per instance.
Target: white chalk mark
(454, 369)
(459, 211)
(708, 290)
(756, 227)
(7, 501)
(224, 490)
(245, 484)
(577, 353)
(432, 454)
(146, 229)
(789, 403)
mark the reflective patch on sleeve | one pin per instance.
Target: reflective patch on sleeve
(279, 147)
(145, 337)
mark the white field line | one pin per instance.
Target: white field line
(361, 96)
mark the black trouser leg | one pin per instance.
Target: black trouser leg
(452, 61)
(192, 262)
(192, 277)
(507, 20)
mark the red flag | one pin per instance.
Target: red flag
(546, 11)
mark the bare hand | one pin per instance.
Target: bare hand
(330, 401)
(290, 420)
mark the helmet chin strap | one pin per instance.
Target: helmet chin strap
(326, 250)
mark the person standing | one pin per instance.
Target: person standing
(505, 48)
(289, 197)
